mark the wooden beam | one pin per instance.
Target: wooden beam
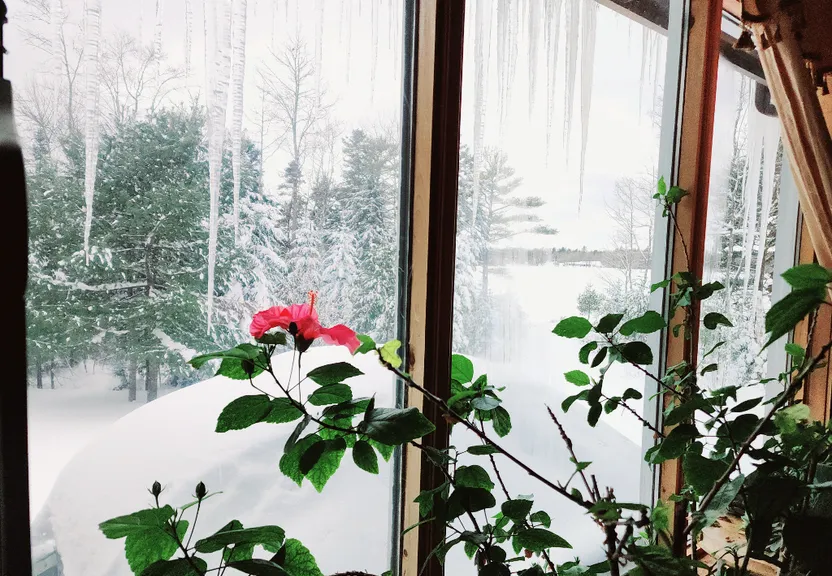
(693, 174)
(436, 130)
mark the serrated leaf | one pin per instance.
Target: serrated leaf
(714, 319)
(290, 461)
(282, 410)
(647, 323)
(328, 463)
(144, 548)
(298, 560)
(330, 394)
(385, 450)
(785, 314)
(473, 477)
(178, 567)
(577, 377)
(273, 338)
(293, 437)
(501, 420)
(122, 526)
(389, 353)
(243, 412)
(333, 373)
(462, 369)
(394, 426)
(485, 403)
(539, 539)
(240, 352)
(365, 457)
(238, 369)
(607, 324)
(586, 349)
(311, 456)
(268, 536)
(516, 510)
(541, 517)
(367, 344)
(810, 276)
(573, 327)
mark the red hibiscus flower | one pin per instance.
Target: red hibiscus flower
(301, 321)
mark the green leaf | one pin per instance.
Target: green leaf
(270, 537)
(602, 353)
(501, 420)
(811, 276)
(330, 394)
(577, 377)
(708, 369)
(647, 323)
(480, 450)
(385, 450)
(583, 353)
(465, 499)
(485, 403)
(714, 319)
(473, 477)
(796, 351)
(328, 463)
(178, 567)
(258, 567)
(541, 517)
(347, 409)
(517, 509)
(674, 445)
(395, 426)
(367, 344)
(594, 414)
(785, 314)
(637, 353)
(298, 560)
(607, 324)
(747, 405)
(658, 285)
(122, 526)
(244, 369)
(660, 516)
(567, 404)
(333, 373)
(273, 338)
(718, 506)
(282, 410)
(243, 412)
(712, 350)
(311, 456)
(462, 369)
(539, 539)
(786, 420)
(573, 327)
(661, 187)
(293, 437)
(494, 568)
(389, 353)
(631, 394)
(240, 352)
(686, 410)
(365, 457)
(701, 473)
(144, 548)
(290, 461)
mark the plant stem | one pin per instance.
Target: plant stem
(568, 441)
(193, 525)
(184, 550)
(784, 398)
(644, 422)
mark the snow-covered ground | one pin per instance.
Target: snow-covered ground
(347, 527)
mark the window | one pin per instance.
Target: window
(560, 139)
(189, 164)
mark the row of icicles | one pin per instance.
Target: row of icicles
(504, 24)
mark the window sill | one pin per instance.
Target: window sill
(728, 531)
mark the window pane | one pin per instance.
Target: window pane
(560, 139)
(176, 189)
(742, 226)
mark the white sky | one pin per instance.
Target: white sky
(623, 140)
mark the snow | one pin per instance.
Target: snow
(170, 344)
(347, 526)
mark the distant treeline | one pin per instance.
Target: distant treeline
(581, 256)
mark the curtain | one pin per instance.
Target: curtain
(806, 138)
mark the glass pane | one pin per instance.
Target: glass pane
(743, 206)
(560, 139)
(190, 163)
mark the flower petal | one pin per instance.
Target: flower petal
(340, 335)
(265, 320)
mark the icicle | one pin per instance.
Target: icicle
(92, 33)
(503, 8)
(218, 48)
(534, 9)
(238, 73)
(189, 26)
(374, 49)
(573, 21)
(319, 42)
(590, 18)
(348, 26)
(552, 41)
(513, 40)
(771, 142)
(482, 43)
(751, 188)
(645, 58)
(157, 34)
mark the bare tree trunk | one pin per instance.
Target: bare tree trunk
(131, 380)
(52, 374)
(39, 368)
(151, 379)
